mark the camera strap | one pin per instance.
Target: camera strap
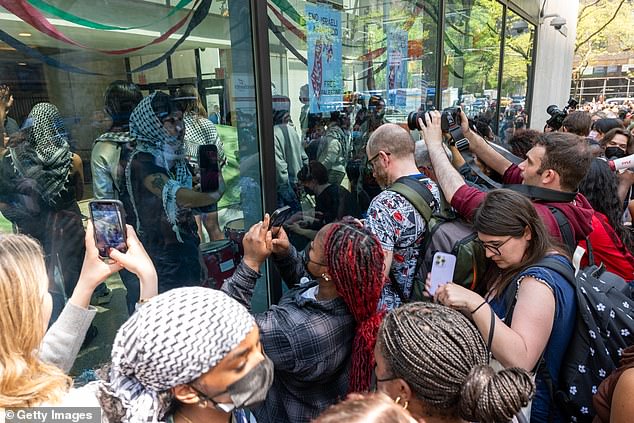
(543, 194)
(468, 158)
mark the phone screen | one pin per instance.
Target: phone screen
(209, 171)
(108, 221)
(280, 216)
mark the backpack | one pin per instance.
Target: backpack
(603, 328)
(446, 232)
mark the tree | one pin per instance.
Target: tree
(603, 28)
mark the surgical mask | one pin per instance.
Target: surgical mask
(614, 153)
(248, 391)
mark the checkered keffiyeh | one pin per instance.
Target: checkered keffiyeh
(151, 137)
(201, 131)
(45, 156)
(171, 340)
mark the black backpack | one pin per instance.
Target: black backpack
(603, 328)
(445, 232)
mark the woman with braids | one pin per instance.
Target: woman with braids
(615, 241)
(534, 307)
(432, 361)
(321, 334)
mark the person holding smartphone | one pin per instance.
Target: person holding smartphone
(200, 131)
(160, 195)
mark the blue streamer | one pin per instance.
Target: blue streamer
(34, 54)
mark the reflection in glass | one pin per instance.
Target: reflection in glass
(518, 55)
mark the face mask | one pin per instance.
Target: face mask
(249, 390)
(356, 134)
(308, 190)
(614, 153)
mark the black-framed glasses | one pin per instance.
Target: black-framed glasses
(306, 257)
(375, 379)
(493, 249)
(370, 163)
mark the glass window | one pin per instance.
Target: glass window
(115, 100)
(338, 72)
(518, 60)
(472, 57)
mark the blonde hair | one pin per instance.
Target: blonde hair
(24, 379)
(366, 408)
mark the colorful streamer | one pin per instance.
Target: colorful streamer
(286, 7)
(34, 54)
(199, 15)
(285, 42)
(34, 18)
(55, 11)
(300, 34)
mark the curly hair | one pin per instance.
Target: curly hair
(443, 358)
(355, 261)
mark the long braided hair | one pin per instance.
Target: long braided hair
(355, 262)
(444, 360)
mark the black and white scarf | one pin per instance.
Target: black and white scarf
(44, 157)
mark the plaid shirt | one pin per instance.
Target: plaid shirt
(309, 341)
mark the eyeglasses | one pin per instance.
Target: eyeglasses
(306, 257)
(370, 164)
(376, 380)
(493, 249)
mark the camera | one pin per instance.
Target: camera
(449, 123)
(557, 116)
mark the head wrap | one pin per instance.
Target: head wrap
(45, 156)
(172, 340)
(151, 137)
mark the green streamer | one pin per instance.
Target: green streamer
(55, 11)
(286, 7)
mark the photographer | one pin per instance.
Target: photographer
(557, 163)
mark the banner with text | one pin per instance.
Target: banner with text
(396, 66)
(325, 73)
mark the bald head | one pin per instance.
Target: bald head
(392, 139)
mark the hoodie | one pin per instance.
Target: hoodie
(579, 212)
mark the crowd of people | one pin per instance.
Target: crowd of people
(351, 339)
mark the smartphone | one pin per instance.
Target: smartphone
(279, 216)
(108, 219)
(209, 170)
(442, 268)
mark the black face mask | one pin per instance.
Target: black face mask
(614, 153)
(248, 391)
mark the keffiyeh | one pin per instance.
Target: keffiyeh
(151, 137)
(45, 155)
(172, 340)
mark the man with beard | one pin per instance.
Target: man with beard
(393, 219)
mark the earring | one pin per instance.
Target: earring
(325, 277)
(202, 403)
(398, 399)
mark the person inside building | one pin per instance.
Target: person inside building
(332, 202)
(432, 361)
(108, 160)
(160, 194)
(334, 148)
(321, 334)
(201, 131)
(41, 181)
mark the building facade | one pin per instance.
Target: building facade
(249, 59)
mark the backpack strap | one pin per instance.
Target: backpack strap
(417, 194)
(565, 228)
(424, 202)
(468, 158)
(542, 194)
